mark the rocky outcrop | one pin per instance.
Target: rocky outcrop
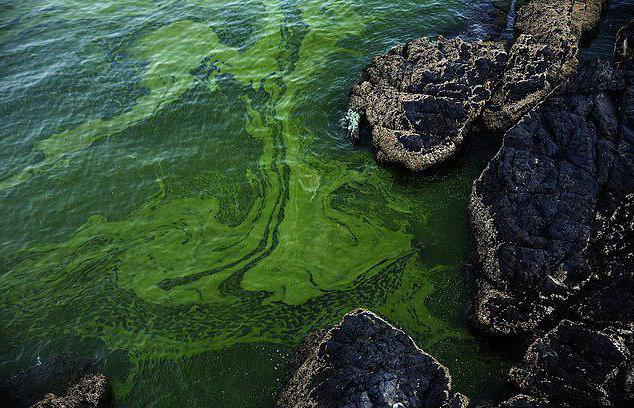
(553, 215)
(536, 208)
(63, 381)
(533, 208)
(366, 362)
(543, 55)
(419, 100)
(92, 391)
(574, 365)
(417, 103)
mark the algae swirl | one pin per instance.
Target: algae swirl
(175, 182)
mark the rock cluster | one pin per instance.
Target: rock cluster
(553, 218)
(62, 381)
(552, 215)
(417, 103)
(366, 362)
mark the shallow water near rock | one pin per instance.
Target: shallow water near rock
(179, 200)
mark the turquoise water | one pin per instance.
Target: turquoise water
(180, 202)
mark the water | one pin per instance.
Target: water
(179, 202)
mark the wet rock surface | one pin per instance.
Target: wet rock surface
(62, 381)
(574, 365)
(553, 215)
(417, 103)
(366, 362)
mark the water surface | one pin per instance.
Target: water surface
(178, 199)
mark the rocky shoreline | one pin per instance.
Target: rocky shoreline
(418, 103)
(552, 218)
(552, 215)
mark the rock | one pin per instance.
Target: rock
(533, 209)
(92, 391)
(68, 375)
(523, 401)
(624, 46)
(366, 362)
(586, 360)
(542, 57)
(609, 301)
(417, 102)
(574, 366)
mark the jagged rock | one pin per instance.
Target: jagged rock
(586, 361)
(542, 57)
(609, 301)
(418, 101)
(92, 391)
(534, 206)
(68, 375)
(574, 366)
(366, 362)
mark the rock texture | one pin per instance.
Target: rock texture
(417, 103)
(92, 391)
(419, 100)
(573, 365)
(543, 55)
(63, 381)
(556, 206)
(535, 208)
(366, 362)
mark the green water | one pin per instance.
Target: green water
(179, 201)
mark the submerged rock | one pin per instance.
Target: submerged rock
(417, 103)
(92, 391)
(63, 381)
(366, 362)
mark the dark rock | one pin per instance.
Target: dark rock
(69, 375)
(587, 359)
(574, 366)
(544, 54)
(366, 362)
(417, 103)
(534, 207)
(419, 100)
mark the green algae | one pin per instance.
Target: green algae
(223, 207)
